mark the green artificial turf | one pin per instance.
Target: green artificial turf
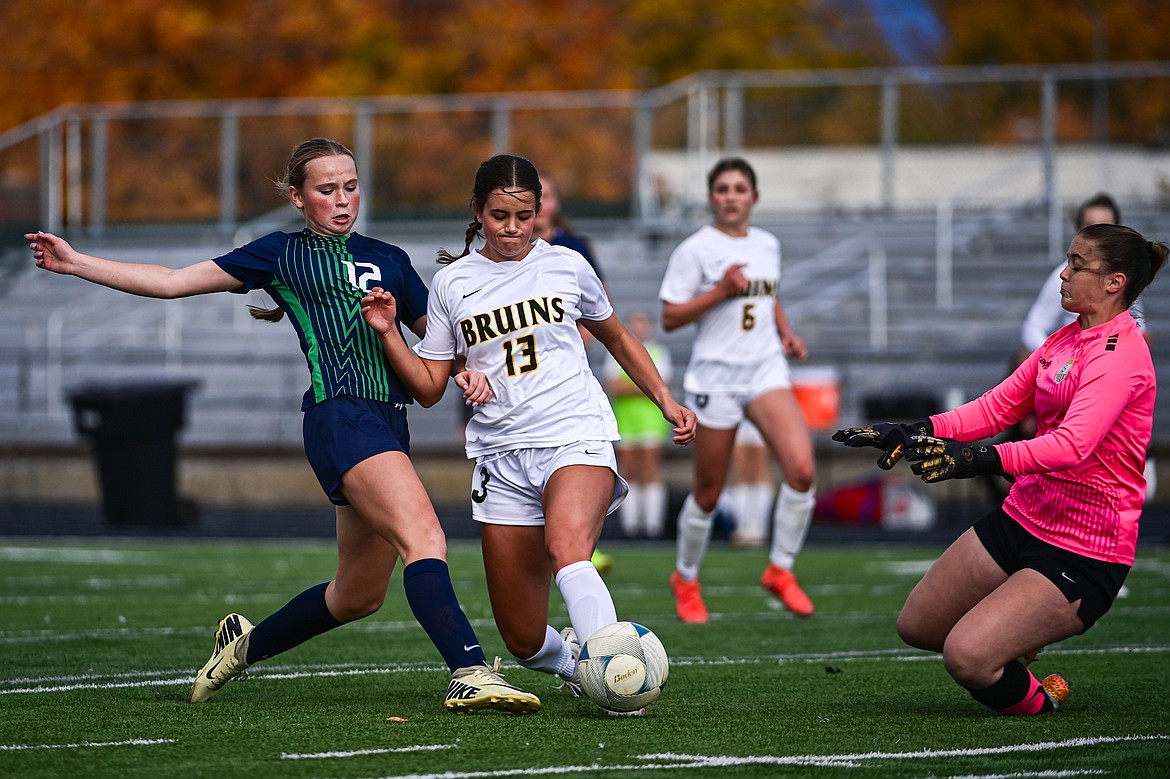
(99, 640)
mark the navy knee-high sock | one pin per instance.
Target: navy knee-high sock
(432, 599)
(296, 622)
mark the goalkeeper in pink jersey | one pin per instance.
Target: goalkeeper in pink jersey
(1048, 563)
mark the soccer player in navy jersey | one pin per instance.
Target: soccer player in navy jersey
(355, 429)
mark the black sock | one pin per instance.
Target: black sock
(296, 622)
(1016, 692)
(432, 599)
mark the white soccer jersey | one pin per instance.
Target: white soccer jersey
(517, 323)
(739, 331)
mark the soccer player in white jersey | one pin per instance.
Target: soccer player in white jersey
(726, 279)
(542, 433)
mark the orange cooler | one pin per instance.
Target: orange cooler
(818, 391)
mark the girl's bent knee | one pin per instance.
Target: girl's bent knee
(968, 666)
(523, 647)
(354, 609)
(915, 634)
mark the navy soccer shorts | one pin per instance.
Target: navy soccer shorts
(342, 431)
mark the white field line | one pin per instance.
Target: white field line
(1066, 773)
(46, 635)
(31, 636)
(674, 762)
(134, 742)
(54, 684)
(78, 555)
(183, 678)
(97, 582)
(364, 752)
(101, 599)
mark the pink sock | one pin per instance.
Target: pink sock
(1033, 703)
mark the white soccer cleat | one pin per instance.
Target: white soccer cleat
(573, 683)
(477, 687)
(228, 661)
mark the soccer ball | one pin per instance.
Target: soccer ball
(623, 667)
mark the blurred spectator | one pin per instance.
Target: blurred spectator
(644, 433)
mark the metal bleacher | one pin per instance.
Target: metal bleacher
(57, 334)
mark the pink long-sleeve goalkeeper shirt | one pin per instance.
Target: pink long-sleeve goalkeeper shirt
(1079, 482)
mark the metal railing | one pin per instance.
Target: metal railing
(720, 108)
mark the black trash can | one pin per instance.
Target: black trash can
(132, 429)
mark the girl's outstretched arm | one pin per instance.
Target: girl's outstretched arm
(54, 253)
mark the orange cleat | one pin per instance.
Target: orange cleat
(688, 600)
(782, 583)
(1058, 689)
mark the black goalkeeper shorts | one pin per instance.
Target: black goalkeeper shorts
(1094, 583)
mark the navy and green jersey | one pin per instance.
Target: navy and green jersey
(319, 282)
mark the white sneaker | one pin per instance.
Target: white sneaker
(228, 660)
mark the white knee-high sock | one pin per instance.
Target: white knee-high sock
(631, 511)
(586, 597)
(654, 508)
(694, 532)
(759, 509)
(555, 657)
(735, 500)
(790, 523)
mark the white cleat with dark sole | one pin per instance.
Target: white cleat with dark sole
(228, 661)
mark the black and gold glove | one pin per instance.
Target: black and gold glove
(939, 459)
(890, 437)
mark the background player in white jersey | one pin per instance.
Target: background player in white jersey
(726, 279)
(749, 496)
(545, 475)
(643, 436)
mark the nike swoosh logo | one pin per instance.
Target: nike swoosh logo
(1065, 575)
(592, 453)
(211, 670)
(469, 294)
(469, 647)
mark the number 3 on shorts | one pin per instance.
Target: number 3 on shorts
(480, 495)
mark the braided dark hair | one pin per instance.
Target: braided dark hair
(503, 171)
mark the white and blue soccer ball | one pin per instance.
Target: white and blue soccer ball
(623, 667)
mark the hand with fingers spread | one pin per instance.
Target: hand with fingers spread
(890, 437)
(939, 459)
(380, 310)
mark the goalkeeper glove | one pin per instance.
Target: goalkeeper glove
(890, 437)
(939, 459)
